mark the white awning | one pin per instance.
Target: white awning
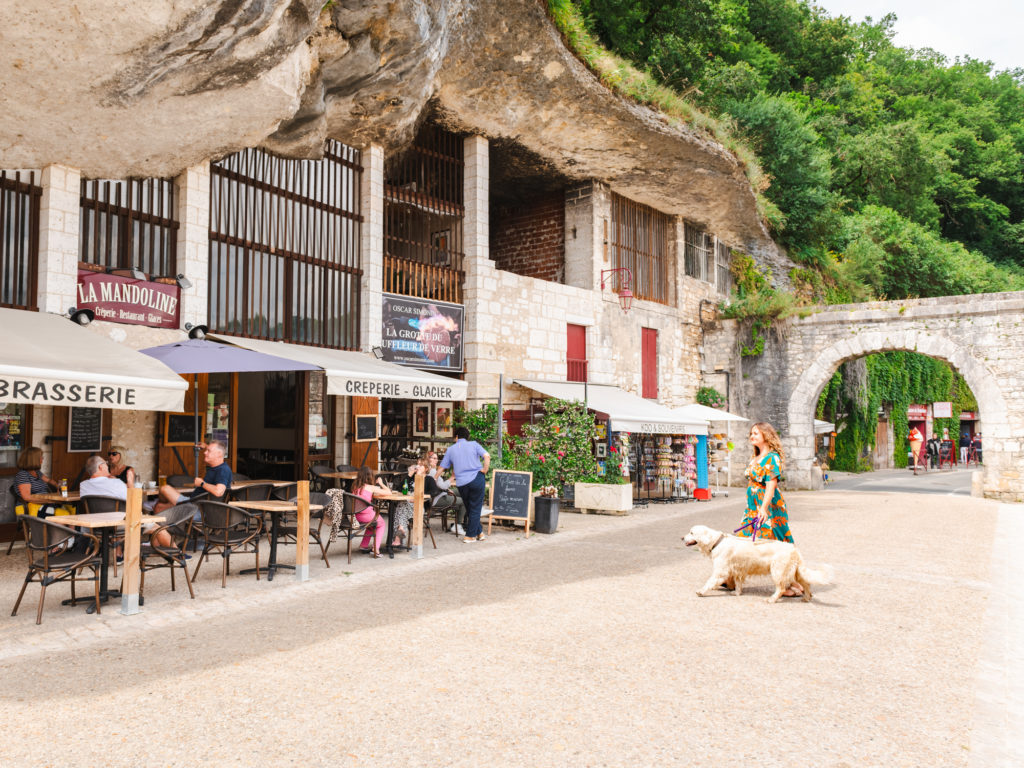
(49, 360)
(360, 375)
(823, 427)
(626, 412)
(699, 412)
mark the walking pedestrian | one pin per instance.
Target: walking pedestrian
(469, 462)
(766, 509)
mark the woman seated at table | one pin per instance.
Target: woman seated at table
(30, 480)
(117, 462)
(365, 488)
(443, 487)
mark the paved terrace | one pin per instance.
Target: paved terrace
(588, 647)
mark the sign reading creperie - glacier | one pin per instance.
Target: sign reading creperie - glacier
(127, 300)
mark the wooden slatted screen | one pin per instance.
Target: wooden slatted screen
(19, 238)
(639, 241)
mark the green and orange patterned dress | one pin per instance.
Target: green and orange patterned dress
(776, 526)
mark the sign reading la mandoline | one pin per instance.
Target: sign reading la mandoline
(127, 300)
(422, 333)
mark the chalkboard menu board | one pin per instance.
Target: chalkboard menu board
(180, 429)
(366, 428)
(85, 430)
(510, 494)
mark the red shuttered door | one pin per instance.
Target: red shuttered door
(649, 361)
(576, 353)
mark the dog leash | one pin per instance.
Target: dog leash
(754, 527)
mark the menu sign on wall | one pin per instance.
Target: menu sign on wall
(127, 300)
(422, 333)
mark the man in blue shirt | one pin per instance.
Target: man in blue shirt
(469, 462)
(213, 485)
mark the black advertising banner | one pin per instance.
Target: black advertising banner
(422, 333)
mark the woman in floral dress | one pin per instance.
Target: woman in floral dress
(766, 509)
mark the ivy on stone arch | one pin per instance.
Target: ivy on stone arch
(851, 401)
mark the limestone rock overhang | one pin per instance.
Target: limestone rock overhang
(127, 89)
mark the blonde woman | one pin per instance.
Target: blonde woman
(117, 461)
(766, 509)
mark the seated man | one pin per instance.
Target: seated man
(214, 485)
(101, 483)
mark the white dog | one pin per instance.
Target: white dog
(735, 558)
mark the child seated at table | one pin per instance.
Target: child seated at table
(365, 488)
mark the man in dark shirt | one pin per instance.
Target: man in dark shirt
(213, 485)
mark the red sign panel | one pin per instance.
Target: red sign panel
(968, 415)
(126, 300)
(917, 412)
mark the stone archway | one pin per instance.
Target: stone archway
(996, 427)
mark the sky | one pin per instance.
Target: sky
(989, 30)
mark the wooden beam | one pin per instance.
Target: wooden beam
(132, 548)
(302, 533)
(416, 534)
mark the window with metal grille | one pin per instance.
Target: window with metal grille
(423, 217)
(723, 258)
(19, 238)
(576, 352)
(284, 247)
(639, 241)
(129, 224)
(698, 255)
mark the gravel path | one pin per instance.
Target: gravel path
(586, 648)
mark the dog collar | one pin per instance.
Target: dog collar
(720, 537)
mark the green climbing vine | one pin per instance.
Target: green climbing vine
(897, 379)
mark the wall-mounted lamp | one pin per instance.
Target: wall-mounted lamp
(378, 352)
(196, 331)
(183, 282)
(133, 272)
(81, 316)
(625, 280)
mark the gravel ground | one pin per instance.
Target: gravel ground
(585, 648)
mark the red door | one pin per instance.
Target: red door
(576, 353)
(649, 362)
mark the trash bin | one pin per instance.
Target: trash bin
(545, 514)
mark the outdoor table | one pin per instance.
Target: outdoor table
(393, 499)
(105, 521)
(276, 509)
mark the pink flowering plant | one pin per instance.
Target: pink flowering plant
(558, 449)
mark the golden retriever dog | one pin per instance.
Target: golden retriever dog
(734, 559)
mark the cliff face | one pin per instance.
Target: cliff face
(148, 89)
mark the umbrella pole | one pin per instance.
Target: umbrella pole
(195, 402)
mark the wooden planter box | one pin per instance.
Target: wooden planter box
(604, 498)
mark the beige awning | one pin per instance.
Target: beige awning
(49, 360)
(626, 412)
(358, 374)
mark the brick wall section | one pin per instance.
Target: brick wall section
(529, 240)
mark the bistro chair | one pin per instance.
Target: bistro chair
(239, 476)
(230, 531)
(288, 532)
(347, 468)
(350, 505)
(91, 505)
(51, 559)
(178, 523)
(317, 482)
(285, 492)
(254, 492)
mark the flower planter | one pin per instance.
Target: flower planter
(545, 514)
(604, 498)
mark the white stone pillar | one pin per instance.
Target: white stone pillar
(59, 214)
(482, 367)
(371, 246)
(192, 190)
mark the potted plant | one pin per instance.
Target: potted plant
(545, 510)
(611, 491)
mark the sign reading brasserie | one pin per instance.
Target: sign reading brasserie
(422, 333)
(127, 300)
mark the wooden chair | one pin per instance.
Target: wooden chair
(228, 530)
(178, 523)
(51, 559)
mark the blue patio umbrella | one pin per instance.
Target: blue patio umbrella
(197, 356)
